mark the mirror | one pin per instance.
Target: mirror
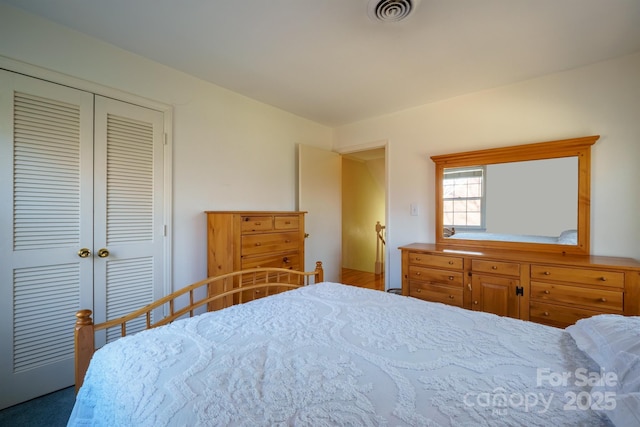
(532, 197)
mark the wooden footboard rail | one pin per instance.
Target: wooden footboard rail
(219, 291)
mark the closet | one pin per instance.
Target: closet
(82, 223)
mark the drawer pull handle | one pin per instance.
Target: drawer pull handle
(287, 241)
(469, 286)
(603, 279)
(417, 273)
(546, 291)
(450, 262)
(257, 291)
(287, 222)
(603, 300)
(451, 297)
(418, 290)
(258, 244)
(450, 277)
(546, 313)
(475, 302)
(418, 259)
(493, 267)
(547, 273)
(285, 260)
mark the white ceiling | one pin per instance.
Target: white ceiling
(327, 61)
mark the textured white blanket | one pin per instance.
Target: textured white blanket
(330, 354)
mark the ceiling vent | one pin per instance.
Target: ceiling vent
(390, 10)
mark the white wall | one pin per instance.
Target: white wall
(229, 152)
(601, 99)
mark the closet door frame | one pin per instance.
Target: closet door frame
(98, 89)
(31, 382)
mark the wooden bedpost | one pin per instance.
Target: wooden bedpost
(84, 345)
(319, 277)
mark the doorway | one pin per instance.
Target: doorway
(345, 246)
(363, 218)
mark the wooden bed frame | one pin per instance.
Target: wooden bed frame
(219, 292)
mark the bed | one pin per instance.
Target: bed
(325, 354)
(567, 237)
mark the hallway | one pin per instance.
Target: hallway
(363, 279)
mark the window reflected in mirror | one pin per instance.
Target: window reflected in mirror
(463, 199)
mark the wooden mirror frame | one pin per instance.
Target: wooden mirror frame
(580, 147)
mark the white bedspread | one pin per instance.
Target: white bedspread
(505, 237)
(331, 354)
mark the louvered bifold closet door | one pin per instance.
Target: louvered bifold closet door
(46, 209)
(128, 210)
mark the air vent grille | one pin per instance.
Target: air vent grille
(390, 10)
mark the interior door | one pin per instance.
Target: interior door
(46, 218)
(320, 194)
(129, 221)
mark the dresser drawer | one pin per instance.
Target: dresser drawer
(436, 293)
(596, 299)
(269, 242)
(576, 275)
(495, 267)
(286, 222)
(557, 315)
(254, 294)
(441, 261)
(289, 260)
(452, 278)
(256, 223)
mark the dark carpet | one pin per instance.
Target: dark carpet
(50, 410)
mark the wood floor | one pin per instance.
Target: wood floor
(362, 279)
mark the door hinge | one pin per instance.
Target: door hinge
(166, 138)
(519, 291)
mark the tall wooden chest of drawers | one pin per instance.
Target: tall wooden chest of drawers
(238, 240)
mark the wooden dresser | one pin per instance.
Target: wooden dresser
(553, 289)
(246, 239)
